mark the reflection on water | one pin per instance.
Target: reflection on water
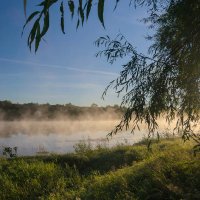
(58, 136)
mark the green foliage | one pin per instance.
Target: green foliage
(62, 17)
(14, 111)
(83, 147)
(10, 152)
(149, 178)
(124, 172)
(82, 9)
(164, 83)
(22, 180)
(100, 11)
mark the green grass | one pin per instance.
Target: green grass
(168, 171)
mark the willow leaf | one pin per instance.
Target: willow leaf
(100, 11)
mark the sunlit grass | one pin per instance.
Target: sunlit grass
(168, 171)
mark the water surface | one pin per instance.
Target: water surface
(59, 136)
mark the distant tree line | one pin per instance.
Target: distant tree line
(34, 111)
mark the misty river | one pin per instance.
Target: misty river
(31, 137)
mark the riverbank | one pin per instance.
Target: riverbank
(168, 171)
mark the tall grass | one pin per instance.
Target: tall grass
(169, 171)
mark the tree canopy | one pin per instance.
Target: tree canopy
(166, 82)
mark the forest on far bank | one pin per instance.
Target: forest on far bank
(33, 111)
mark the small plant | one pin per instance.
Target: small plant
(83, 146)
(42, 150)
(10, 152)
(102, 144)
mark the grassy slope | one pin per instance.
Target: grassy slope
(170, 171)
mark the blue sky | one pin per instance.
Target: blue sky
(65, 68)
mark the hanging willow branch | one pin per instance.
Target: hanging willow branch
(151, 87)
(80, 9)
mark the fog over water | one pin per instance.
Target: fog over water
(60, 136)
(57, 136)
